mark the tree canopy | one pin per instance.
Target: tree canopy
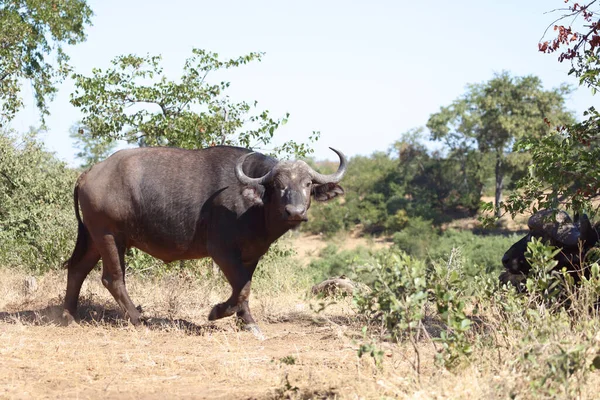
(490, 117)
(134, 100)
(36, 203)
(33, 34)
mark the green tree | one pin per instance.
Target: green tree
(431, 186)
(36, 204)
(33, 34)
(135, 101)
(388, 189)
(92, 148)
(565, 160)
(365, 199)
(491, 116)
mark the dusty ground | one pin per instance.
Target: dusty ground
(93, 361)
(178, 353)
(308, 247)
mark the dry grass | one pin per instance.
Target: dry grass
(179, 354)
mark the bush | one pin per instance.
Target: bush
(416, 238)
(37, 225)
(421, 240)
(403, 288)
(483, 252)
(325, 218)
(332, 262)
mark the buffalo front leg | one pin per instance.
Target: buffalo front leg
(239, 277)
(243, 313)
(113, 275)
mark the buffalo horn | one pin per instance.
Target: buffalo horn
(562, 229)
(335, 177)
(245, 179)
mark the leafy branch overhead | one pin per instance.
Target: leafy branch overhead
(578, 42)
(565, 160)
(134, 100)
(33, 34)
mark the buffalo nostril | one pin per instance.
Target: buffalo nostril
(295, 212)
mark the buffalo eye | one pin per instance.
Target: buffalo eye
(279, 186)
(307, 184)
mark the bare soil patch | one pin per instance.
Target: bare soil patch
(505, 224)
(178, 353)
(308, 246)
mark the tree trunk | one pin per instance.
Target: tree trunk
(499, 182)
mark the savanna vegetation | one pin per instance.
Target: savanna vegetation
(420, 232)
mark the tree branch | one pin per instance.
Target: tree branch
(4, 75)
(14, 185)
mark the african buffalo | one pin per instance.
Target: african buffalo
(222, 202)
(556, 228)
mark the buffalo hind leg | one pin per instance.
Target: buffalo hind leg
(113, 275)
(77, 272)
(239, 277)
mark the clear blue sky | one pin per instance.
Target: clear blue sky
(361, 72)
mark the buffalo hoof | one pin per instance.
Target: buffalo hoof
(214, 313)
(221, 311)
(135, 318)
(255, 331)
(67, 318)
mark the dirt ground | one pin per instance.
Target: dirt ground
(308, 247)
(104, 361)
(178, 353)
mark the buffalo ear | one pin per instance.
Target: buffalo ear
(254, 194)
(327, 191)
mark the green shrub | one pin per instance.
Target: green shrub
(332, 262)
(481, 252)
(37, 224)
(417, 237)
(401, 288)
(325, 218)
(398, 294)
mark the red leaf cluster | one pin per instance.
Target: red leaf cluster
(566, 36)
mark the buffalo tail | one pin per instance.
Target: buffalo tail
(82, 233)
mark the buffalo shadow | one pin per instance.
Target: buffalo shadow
(94, 313)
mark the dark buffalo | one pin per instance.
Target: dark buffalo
(556, 228)
(221, 202)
